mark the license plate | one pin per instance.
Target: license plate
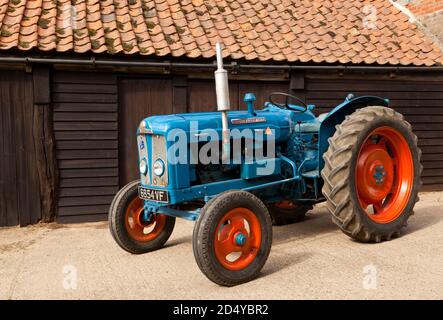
(153, 194)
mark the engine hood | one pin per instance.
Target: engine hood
(193, 123)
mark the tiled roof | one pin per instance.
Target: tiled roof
(332, 31)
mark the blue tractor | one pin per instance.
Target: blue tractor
(238, 172)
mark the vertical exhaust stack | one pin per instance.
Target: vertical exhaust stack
(223, 104)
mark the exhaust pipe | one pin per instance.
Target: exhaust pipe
(223, 103)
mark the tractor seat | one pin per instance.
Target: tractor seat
(312, 127)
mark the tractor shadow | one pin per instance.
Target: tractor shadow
(424, 217)
(178, 241)
(315, 224)
(318, 223)
(277, 263)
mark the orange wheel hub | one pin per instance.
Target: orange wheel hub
(237, 239)
(138, 229)
(384, 174)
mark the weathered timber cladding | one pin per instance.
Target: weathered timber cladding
(19, 184)
(138, 99)
(201, 93)
(85, 128)
(420, 100)
(45, 161)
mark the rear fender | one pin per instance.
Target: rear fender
(337, 115)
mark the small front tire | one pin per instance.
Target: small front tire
(128, 228)
(232, 238)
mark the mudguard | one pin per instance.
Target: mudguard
(337, 115)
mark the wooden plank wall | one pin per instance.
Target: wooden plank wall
(138, 99)
(202, 97)
(86, 132)
(19, 185)
(420, 101)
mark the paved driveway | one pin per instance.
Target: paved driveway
(309, 260)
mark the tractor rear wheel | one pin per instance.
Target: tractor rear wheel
(287, 212)
(232, 238)
(128, 228)
(372, 174)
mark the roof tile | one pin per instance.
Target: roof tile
(305, 30)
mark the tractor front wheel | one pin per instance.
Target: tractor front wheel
(372, 174)
(127, 225)
(232, 238)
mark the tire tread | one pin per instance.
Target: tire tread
(337, 168)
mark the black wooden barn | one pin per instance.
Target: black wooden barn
(68, 115)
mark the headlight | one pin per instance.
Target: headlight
(159, 167)
(143, 166)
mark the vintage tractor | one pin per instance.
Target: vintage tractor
(236, 173)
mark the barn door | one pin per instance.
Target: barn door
(85, 129)
(139, 98)
(19, 185)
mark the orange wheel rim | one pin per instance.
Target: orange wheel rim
(237, 239)
(138, 229)
(384, 174)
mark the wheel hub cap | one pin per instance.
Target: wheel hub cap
(384, 174)
(240, 239)
(375, 172)
(379, 174)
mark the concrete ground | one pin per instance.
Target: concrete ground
(309, 260)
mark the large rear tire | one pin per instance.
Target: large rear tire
(372, 174)
(232, 238)
(128, 228)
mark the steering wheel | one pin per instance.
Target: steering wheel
(286, 105)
